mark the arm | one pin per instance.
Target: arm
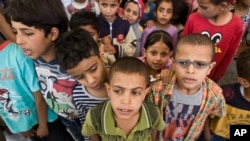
(95, 137)
(154, 135)
(206, 130)
(41, 107)
(5, 27)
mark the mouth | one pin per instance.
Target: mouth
(124, 111)
(189, 80)
(96, 87)
(157, 66)
(27, 52)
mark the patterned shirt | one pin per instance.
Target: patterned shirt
(212, 104)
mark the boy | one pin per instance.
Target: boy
(237, 98)
(88, 21)
(125, 116)
(22, 106)
(190, 96)
(37, 28)
(80, 58)
(116, 31)
(225, 29)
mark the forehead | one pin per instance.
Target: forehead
(129, 79)
(109, 1)
(166, 5)
(204, 2)
(195, 51)
(88, 28)
(132, 5)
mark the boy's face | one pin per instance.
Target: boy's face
(189, 78)
(157, 55)
(109, 8)
(208, 9)
(91, 31)
(126, 93)
(132, 12)
(164, 12)
(89, 72)
(33, 41)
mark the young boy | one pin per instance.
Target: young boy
(125, 116)
(80, 58)
(88, 21)
(237, 98)
(37, 25)
(22, 106)
(190, 96)
(225, 29)
(115, 30)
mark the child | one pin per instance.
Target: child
(148, 17)
(190, 96)
(125, 116)
(22, 106)
(87, 5)
(116, 31)
(223, 27)
(237, 99)
(80, 58)
(134, 13)
(164, 10)
(37, 28)
(157, 51)
(88, 21)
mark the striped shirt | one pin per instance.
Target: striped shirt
(84, 101)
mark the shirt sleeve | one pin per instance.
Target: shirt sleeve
(88, 128)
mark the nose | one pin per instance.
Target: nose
(108, 9)
(158, 57)
(190, 68)
(126, 98)
(90, 79)
(19, 39)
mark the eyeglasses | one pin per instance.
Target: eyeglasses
(185, 63)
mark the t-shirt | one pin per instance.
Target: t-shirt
(18, 81)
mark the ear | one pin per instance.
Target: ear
(211, 66)
(107, 86)
(224, 5)
(147, 91)
(244, 82)
(54, 33)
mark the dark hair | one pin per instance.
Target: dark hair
(243, 64)
(83, 18)
(130, 65)
(158, 2)
(42, 14)
(180, 13)
(73, 46)
(196, 39)
(217, 2)
(159, 35)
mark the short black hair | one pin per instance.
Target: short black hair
(42, 14)
(130, 65)
(243, 64)
(73, 46)
(83, 18)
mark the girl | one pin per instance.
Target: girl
(158, 49)
(164, 10)
(133, 13)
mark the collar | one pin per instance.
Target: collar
(4, 44)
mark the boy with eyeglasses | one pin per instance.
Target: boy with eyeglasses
(190, 97)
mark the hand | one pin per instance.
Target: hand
(106, 40)
(29, 133)
(42, 131)
(109, 49)
(165, 75)
(123, 17)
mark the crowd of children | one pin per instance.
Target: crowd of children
(79, 70)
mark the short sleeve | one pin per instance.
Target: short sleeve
(88, 128)
(159, 123)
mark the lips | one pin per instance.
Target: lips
(189, 80)
(27, 52)
(157, 66)
(124, 111)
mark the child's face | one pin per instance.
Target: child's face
(208, 9)
(157, 55)
(132, 12)
(33, 40)
(126, 93)
(189, 78)
(164, 13)
(109, 8)
(245, 2)
(89, 72)
(91, 31)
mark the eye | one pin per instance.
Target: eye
(184, 62)
(154, 53)
(104, 5)
(79, 77)
(113, 5)
(136, 93)
(200, 64)
(117, 91)
(93, 69)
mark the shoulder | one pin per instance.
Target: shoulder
(214, 90)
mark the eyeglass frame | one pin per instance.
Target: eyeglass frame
(195, 63)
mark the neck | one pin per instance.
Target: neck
(49, 55)
(161, 26)
(223, 18)
(247, 94)
(127, 124)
